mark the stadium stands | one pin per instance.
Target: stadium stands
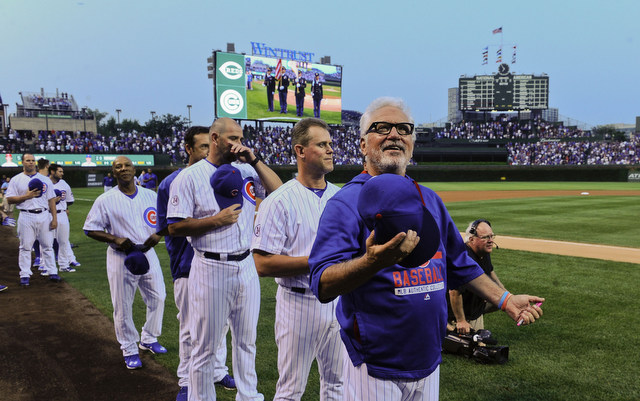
(504, 128)
(523, 143)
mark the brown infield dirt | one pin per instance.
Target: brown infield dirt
(55, 344)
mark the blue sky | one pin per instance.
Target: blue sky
(141, 55)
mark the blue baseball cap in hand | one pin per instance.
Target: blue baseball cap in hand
(390, 204)
(35, 183)
(227, 184)
(136, 262)
(58, 194)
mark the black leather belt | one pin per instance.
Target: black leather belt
(299, 290)
(60, 211)
(34, 211)
(237, 258)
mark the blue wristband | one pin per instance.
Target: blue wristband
(504, 296)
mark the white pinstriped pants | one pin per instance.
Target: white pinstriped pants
(65, 254)
(306, 329)
(32, 226)
(181, 296)
(359, 386)
(123, 287)
(221, 292)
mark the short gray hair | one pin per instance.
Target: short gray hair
(377, 104)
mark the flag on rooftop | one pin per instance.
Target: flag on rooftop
(497, 30)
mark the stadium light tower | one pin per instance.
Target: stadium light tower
(189, 109)
(118, 111)
(46, 115)
(84, 118)
(4, 117)
(153, 115)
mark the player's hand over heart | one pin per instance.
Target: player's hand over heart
(391, 252)
(228, 215)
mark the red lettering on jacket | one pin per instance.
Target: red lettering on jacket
(397, 279)
(422, 275)
(406, 282)
(414, 277)
(438, 274)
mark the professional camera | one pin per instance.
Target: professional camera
(473, 346)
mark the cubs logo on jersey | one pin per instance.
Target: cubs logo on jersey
(150, 215)
(249, 190)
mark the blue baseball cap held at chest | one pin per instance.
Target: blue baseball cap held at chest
(58, 195)
(227, 185)
(390, 204)
(35, 183)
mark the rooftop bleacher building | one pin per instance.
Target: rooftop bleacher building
(48, 112)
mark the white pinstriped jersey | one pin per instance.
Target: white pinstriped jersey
(67, 195)
(123, 216)
(19, 185)
(191, 195)
(287, 224)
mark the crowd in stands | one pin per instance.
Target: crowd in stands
(553, 153)
(90, 143)
(60, 102)
(273, 144)
(505, 128)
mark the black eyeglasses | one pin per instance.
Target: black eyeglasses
(384, 128)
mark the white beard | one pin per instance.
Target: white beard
(385, 163)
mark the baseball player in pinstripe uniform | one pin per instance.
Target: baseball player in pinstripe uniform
(38, 218)
(42, 165)
(125, 217)
(223, 283)
(65, 253)
(180, 256)
(285, 228)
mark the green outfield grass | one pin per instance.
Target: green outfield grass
(533, 186)
(583, 349)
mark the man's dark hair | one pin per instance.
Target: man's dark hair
(300, 131)
(42, 163)
(53, 168)
(192, 132)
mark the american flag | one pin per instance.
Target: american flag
(497, 30)
(279, 69)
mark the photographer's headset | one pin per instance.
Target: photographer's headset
(474, 229)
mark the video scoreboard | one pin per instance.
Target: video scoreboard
(504, 92)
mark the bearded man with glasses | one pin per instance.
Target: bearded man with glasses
(466, 309)
(388, 248)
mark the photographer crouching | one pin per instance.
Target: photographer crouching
(466, 309)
